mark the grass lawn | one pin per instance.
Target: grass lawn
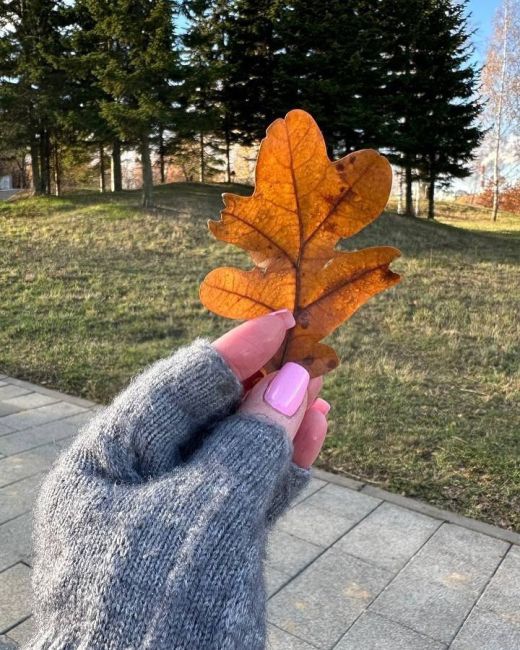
(426, 401)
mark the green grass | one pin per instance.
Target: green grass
(478, 219)
(426, 401)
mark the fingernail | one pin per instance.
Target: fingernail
(287, 390)
(285, 315)
(321, 405)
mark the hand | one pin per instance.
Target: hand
(146, 540)
(246, 349)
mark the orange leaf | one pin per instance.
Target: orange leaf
(301, 206)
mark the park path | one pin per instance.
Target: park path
(350, 567)
(7, 194)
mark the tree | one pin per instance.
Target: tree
(33, 90)
(200, 94)
(330, 65)
(501, 88)
(250, 45)
(430, 92)
(448, 131)
(136, 68)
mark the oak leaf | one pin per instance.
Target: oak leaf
(301, 206)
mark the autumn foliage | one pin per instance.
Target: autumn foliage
(301, 206)
(509, 198)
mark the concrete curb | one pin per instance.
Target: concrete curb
(36, 388)
(419, 506)
(344, 481)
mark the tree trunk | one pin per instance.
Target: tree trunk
(202, 171)
(431, 197)
(43, 163)
(48, 156)
(228, 155)
(57, 170)
(418, 188)
(146, 163)
(116, 177)
(496, 162)
(409, 190)
(161, 157)
(35, 167)
(102, 184)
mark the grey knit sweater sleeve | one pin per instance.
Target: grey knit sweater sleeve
(150, 530)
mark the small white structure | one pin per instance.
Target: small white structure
(6, 183)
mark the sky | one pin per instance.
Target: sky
(482, 13)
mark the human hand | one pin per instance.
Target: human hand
(140, 543)
(246, 349)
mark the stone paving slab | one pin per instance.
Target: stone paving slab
(374, 632)
(279, 640)
(34, 417)
(18, 498)
(488, 631)
(325, 599)
(389, 536)
(349, 566)
(15, 580)
(15, 541)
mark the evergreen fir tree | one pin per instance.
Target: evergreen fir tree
(137, 68)
(330, 65)
(430, 93)
(250, 52)
(33, 90)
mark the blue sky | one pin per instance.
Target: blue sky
(482, 13)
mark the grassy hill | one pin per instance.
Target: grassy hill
(426, 401)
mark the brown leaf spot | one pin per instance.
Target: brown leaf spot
(303, 319)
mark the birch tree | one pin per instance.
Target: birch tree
(501, 89)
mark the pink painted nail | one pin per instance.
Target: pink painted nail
(321, 405)
(285, 315)
(287, 390)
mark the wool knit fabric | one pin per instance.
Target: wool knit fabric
(150, 530)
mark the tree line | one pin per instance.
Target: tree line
(157, 75)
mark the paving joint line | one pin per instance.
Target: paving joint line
(7, 568)
(325, 549)
(481, 593)
(412, 557)
(19, 622)
(387, 618)
(294, 635)
(52, 442)
(33, 426)
(43, 390)
(7, 521)
(18, 480)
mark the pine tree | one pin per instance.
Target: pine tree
(250, 49)
(449, 132)
(430, 93)
(33, 89)
(330, 66)
(137, 68)
(202, 79)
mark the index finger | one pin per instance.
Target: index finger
(248, 347)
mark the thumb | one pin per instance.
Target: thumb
(280, 397)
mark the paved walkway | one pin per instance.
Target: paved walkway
(7, 194)
(350, 567)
